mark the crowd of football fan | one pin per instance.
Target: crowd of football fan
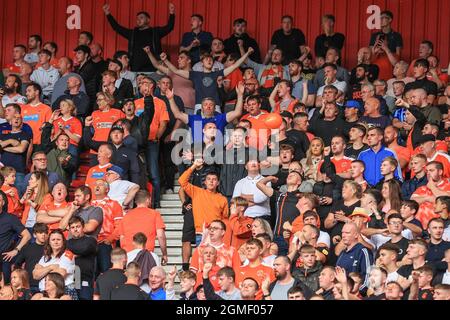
(299, 179)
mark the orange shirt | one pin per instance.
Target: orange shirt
(342, 165)
(103, 121)
(258, 136)
(50, 205)
(235, 77)
(445, 160)
(310, 136)
(226, 257)
(161, 114)
(144, 220)
(13, 68)
(35, 117)
(426, 209)
(206, 206)
(213, 278)
(26, 209)
(239, 230)
(14, 205)
(96, 173)
(72, 124)
(258, 273)
(386, 68)
(112, 215)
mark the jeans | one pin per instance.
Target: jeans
(283, 247)
(103, 257)
(152, 155)
(86, 293)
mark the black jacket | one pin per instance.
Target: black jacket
(231, 46)
(85, 249)
(89, 73)
(140, 126)
(122, 156)
(125, 91)
(81, 101)
(139, 39)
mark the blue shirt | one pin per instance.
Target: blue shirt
(160, 294)
(373, 161)
(197, 123)
(205, 39)
(357, 259)
(6, 128)
(205, 85)
(297, 91)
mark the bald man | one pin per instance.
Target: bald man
(419, 98)
(356, 257)
(157, 280)
(372, 115)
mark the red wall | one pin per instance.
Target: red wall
(415, 19)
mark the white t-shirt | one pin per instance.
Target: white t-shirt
(118, 190)
(446, 278)
(324, 238)
(67, 262)
(446, 235)
(393, 276)
(378, 239)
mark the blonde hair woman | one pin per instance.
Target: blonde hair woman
(313, 157)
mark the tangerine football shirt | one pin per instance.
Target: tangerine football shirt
(35, 116)
(161, 114)
(103, 121)
(72, 124)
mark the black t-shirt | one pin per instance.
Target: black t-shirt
(429, 86)
(15, 160)
(30, 255)
(425, 294)
(24, 294)
(85, 249)
(205, 85)
(107, 281)
(286, 209)
(394, 40)
(348, 210)
(402, 246)
(289, 44)
(129, 292)
(323, 42)
(354, 153)
(436, 252)
(300, 141)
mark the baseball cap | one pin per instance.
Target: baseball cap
(116, 127)
(83, 48)
(426, 138)
(353, 104)
(361, 212)
(116, 169)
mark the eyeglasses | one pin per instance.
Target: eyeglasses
(214, 228)
(41, 159)
(395, 223)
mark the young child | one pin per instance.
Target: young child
(408, 211)
(239, 227)
(14, 205)
(421, 289)
(20, 284)
(310, 270)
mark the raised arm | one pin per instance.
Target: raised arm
(181, 73)
(237, 112)
(124, 32)
(273, 96)
(238, 63)
(155, 62)
(165, 30)
(183, 117)
(262, 185)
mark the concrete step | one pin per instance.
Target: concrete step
(170, 204)
(173, 219)
(176, 189)
(170, 211)
(174, 226)
(172, 252)
(172, 243)
(175, 235)
(172, 197)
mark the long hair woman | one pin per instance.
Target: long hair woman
(56, 259)
(313, 157)
(54, 288)
(392, 196)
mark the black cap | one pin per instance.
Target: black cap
(426, 138)
(83, 48)
(116, 127)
